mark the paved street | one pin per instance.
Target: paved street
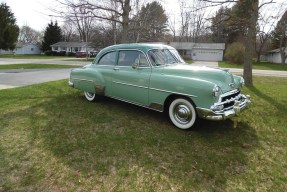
(10, 61)
(20, 77)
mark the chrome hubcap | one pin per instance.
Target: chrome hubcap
(182, 114)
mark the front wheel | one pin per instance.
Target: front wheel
(182, 113)
(90, 96)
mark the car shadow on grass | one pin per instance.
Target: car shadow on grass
(111, 143)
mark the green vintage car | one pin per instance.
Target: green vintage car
(156, 77)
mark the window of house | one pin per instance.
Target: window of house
(32, 49)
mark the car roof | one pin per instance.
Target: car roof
(140, 46)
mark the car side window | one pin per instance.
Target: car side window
(108, 59)
(130, 57)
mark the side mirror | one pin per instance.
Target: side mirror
(136, 64)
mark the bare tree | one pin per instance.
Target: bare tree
(115, 11)
(251, 17)
(185, 17)
(172, 26)
(29, 35)
(268, 16)
(193, 20)
(70, 32)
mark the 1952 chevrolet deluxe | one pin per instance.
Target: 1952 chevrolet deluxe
(156, 77)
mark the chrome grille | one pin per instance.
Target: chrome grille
(228, 100)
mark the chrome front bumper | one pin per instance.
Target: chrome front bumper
(238, 106)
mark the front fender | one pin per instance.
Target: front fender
(199, 91)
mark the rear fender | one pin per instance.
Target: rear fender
(88, 80)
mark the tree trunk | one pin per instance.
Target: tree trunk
(249, 44)
(125, 22)
(283, 56)
(258, 57)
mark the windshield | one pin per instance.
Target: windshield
(164, 56)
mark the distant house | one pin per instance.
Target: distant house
(23, 49)
(200, 51)
(27, 49)
(72, 47)
(274, 56)
(5, 52)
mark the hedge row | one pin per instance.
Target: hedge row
(61, 53)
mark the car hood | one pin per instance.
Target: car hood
(220, 77)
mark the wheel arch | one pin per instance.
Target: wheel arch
(172, 97)
(88, 80)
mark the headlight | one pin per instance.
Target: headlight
(242, 82)
(216, 91)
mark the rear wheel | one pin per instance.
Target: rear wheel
(90, 96)
(182, 113)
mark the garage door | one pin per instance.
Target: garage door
(207, 55)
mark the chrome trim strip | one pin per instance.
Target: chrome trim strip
(134, 103)
(230, 93)
(132, 85)
(82, 79)
(161, 90)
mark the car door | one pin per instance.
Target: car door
(131, 77)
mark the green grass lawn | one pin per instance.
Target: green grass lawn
(52, 139)
(37, 66)
(261, 66)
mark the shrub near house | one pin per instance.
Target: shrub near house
(235, 53)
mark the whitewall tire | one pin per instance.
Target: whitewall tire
(182, 113)
(90, 96)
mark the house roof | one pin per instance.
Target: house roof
(71, 44)
(276, 51)
(191, 45)
(21, 44)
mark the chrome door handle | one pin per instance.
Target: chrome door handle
(116, 68)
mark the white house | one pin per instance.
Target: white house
(200, 51)
(23, 49)
(71, 47)
(274, 56)
(5, 52)
(27, 49)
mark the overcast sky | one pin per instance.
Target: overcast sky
(35, 13)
